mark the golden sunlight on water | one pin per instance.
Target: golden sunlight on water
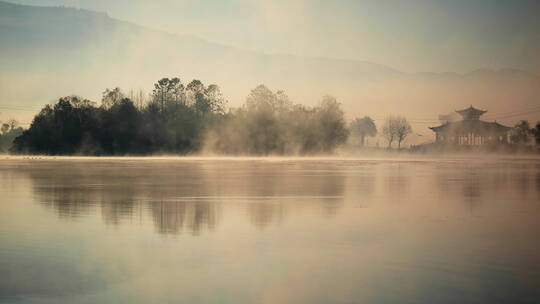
(276, 230)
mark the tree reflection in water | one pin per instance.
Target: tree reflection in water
(188, 196)
(185, 196)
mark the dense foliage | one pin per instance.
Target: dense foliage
(183, 119)
(172, 121)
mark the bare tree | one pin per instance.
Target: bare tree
(403, 129)
(111, 97)
(396, 128)
(388, 130)
(138, 97)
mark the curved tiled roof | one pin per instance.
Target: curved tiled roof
(471, 110)
(471, 125)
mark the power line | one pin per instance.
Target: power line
(19, 108)
(516, 114)
(412, 119)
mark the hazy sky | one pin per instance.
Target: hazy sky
(412, 35)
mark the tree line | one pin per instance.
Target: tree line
(171, 121)
(181, 119)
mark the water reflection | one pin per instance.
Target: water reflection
(188, 196)
(478, 184)
(175, 217)
(265, 213)
(269, 231)
(185, 196)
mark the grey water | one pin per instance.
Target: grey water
(270, 230)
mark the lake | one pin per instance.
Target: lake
(270, 230)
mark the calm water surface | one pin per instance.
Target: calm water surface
(196, 230)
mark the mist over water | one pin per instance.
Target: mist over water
(267, 230)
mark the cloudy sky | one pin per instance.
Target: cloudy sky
(412, 35)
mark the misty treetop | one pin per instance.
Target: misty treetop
(178, 118)
(362, 128)
(269, 123)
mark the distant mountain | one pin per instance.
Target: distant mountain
(52, 36)
(51, 51)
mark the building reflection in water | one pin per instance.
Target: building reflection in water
(479, 184)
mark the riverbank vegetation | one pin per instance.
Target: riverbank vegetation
(181, 119)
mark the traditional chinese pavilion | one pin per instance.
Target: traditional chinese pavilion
(471, 131)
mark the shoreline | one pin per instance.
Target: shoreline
(388, 156)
